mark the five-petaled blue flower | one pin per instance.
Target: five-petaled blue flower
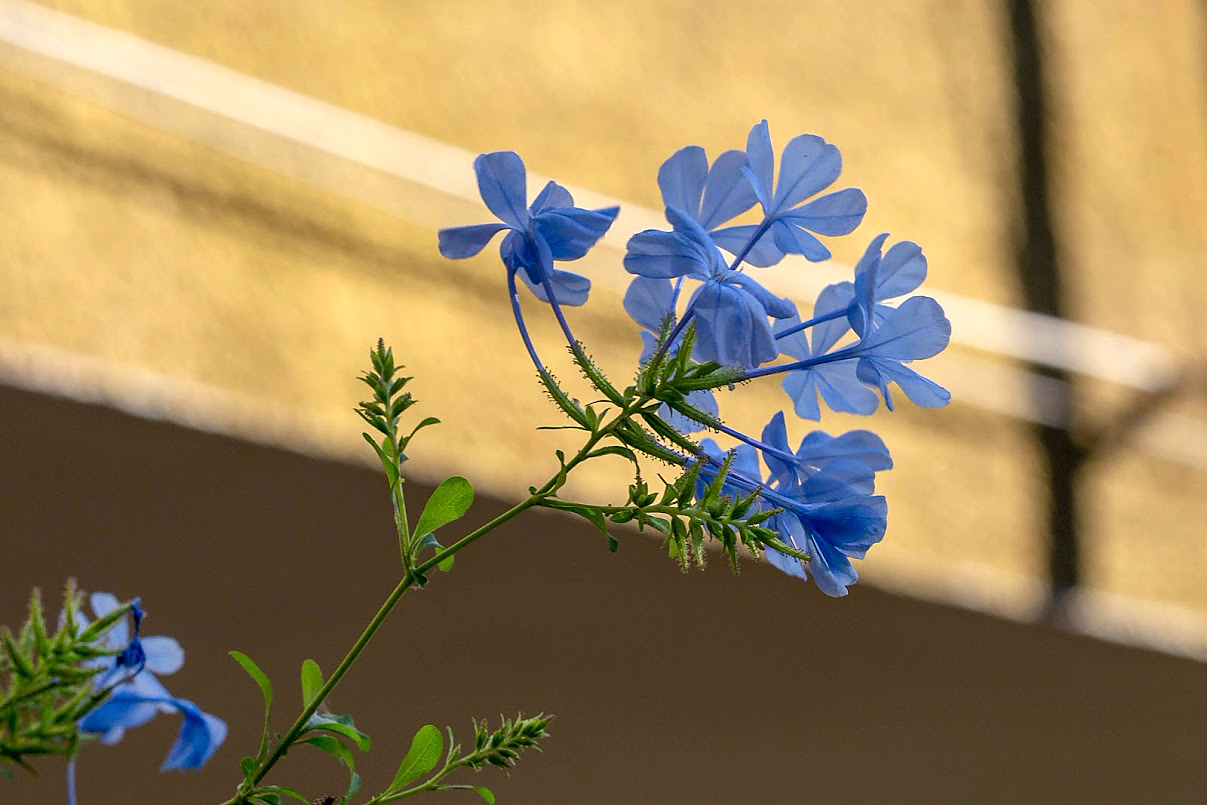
(551, 229)
(138, 696)
(731, 309)
(828, 512)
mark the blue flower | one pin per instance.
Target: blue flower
(808, 165)
(878, 278)
(836, 382)
(915, 330)
(138, 695)
(819, 451)
(889, 338)
(730, 309)
(829, 514)
(551, 229)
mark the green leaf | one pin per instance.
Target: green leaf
(391, 470)
(332, 746)
(431, 420)
(339, 725)
(312, 681)
(615, 450)
(446, 565)
(485, 794)
(279, 790)
(588, 513)
(426, 749)
(256, 674)
(450, 500)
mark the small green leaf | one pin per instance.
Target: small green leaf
(426, 749)
(386, 462)
(485, 794)
(339, 725)
(248, 765)
(332, 746)
(588, 513)
(312, 681)
(450, 500)
(256, 674)
(615, 450)
(446, 565)
(279, 790)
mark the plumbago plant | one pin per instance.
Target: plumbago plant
(707, 325)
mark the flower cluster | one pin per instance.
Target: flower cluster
(692, 294)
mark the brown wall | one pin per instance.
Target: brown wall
(704, 688)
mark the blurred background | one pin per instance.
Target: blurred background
(213, 210)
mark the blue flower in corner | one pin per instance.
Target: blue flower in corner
(138, 695)
(551, 229)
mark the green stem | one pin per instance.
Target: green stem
(408, 580)
(299, 725)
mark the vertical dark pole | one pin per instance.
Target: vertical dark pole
(1039, 274)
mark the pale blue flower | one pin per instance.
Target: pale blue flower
(551, 229)
(730, 309)
(829, 515)
(808, 165)
(138, 695)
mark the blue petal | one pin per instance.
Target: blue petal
(836, 383)
(647, 301)
(118, 635)
(790, 531)
(746, 464)
(681, 179)
(200, 736)
(852, 525)
(731, 327)
(570, 289)
(735, 239)
(775, 434)
(901, 271)
(570, 232)
(808, 165)
(831, 299)
(760, 159)
(501, 183)
(792, 239)
(465, 241)
(727, 192)
(921, 391)
(551, 195)
(123, 710)
(662, 255)
(164, 655)
(819, 449)
(833, 214)
(776, 307)
(838, 481)
(866, 280)
(831, 570)
(915, 330)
